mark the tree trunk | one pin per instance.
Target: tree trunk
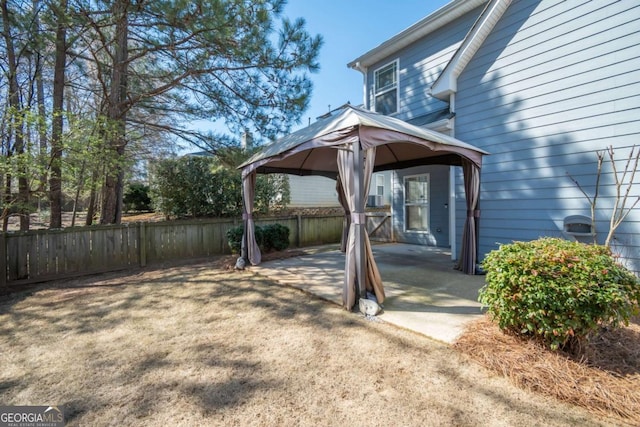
(17, 127)
(7, 201)
(91, 209)
(40, 99)
(117, 115)
(55, 179)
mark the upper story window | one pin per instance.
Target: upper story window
(386, 88)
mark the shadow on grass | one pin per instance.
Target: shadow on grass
(186, 335)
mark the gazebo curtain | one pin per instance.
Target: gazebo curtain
(355, 178)
(373, 279)
(469, 249)
(250, 249)
(346, 223)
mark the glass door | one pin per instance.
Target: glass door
(416, 203)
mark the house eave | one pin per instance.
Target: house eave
(441, 125)
(422, 28)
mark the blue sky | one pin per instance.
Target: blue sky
(351, 28)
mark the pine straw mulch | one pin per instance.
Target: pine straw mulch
(604, 378)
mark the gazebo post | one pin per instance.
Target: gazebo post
(359, 218)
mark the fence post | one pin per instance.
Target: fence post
(3, 260)
(142, 237)
(298, 230)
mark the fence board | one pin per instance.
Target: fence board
(107, 247)
(83, 245)
(98, 248)
(53, 251)
(12, 259)
(43, 247)
(133, 237)
(32, 253)
(3, 262)
(168, 236)
(23, 257)
(68, 258)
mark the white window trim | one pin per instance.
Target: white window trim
(396, 87)
(404, 203)
(380, 183)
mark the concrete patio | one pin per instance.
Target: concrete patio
(424, 292)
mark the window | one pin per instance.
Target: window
(380, 186)
(386, 88)
(416, 203)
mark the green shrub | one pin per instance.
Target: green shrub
(275, 236)
(136, 197)
(558, 291)
(268, 237)
(194, 186)
(234, 239)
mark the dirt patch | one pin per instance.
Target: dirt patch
(605, 380)
(198, 345)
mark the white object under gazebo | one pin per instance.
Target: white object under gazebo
(349, 147)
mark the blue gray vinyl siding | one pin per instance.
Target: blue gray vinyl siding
(438, 234)
(420, 64)
(553, 83)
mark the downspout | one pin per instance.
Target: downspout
(365, 82)
(452, 184)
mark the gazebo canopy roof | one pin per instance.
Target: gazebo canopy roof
(311, 150)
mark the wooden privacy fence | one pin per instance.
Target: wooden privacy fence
(41, 255)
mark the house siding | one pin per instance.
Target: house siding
(373, 191)
(438, 234)
(554, 83)
(312, 192)
(419, 66)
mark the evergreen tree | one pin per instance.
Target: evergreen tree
(235, 60)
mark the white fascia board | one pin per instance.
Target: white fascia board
(442, 125)
(438, 19)
(447, 82)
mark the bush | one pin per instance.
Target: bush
(268, 237)
(275, 236)
(136, 197)
(558, 291)
(234, 239)
(194, 186)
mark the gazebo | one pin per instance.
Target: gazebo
(349, 147)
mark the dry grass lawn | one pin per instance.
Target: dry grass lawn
(198, 345)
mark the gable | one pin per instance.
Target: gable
(446, 83)
(430, 55)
